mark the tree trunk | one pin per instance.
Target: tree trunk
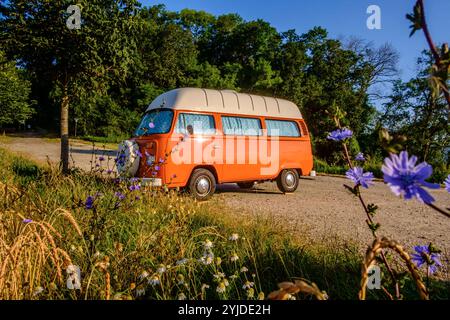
(65, 131)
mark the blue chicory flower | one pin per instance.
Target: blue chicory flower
(89, 204)
(139, 154)
(406, 179)
(359, 177)
(423, 256)
(27, 220)
(447, 184)
(120, 195)
(340, 134)
(360, 157)
(135, 187)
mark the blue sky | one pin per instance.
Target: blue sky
(340, 17)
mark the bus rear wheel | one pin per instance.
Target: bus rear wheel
(202, 184)
(288, 180)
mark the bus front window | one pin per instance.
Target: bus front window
(155, 122)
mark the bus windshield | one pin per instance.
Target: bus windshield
(155, 121)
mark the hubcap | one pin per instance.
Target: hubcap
(290, 179)
(203, 185)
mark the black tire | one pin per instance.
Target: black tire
(245, 185)
(288, 180)
(202, 184)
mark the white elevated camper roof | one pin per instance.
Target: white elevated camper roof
(225, 101)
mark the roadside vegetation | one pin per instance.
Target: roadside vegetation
(131, 242)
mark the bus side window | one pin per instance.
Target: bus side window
(189, 123)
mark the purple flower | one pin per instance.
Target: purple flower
(27, 220)
(157, 168)
(447, 183)
(138, 153)
(406, 179)
(360, 157)
(109, 171)
(101, 159)
(120, 195)
(151, 125)
(89, 204)
(161, 160)
(423, 256)
(154, 173)
(359, 177)
(340, 134)
(135, 187)
(137, 198)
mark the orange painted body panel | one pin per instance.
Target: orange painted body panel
(294, 153)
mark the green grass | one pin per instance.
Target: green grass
(120, 241)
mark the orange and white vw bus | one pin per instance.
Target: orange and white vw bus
(197, 138)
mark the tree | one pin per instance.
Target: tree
(36, 34)
(15, 106)
(415, 111)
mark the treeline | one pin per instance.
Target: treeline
(107, 72)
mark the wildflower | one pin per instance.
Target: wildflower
(207, 258)
(38, 291)
(406, 179)
(244, 269)
(89, 203)
(225, 281)
(154, 280)
(140, 291)
(161, 269)
(143, 275)
(360, 157)
(138, 153)
(248, 285)
(207, 244)
(340, 134)
(359, 177)
(109, 171)
(135, 187)
(154, 173)
(250, 293)
(120, 195)
(447, 183)
(74, 277)
(219, 275)
(233, 277)
(157, 168)
(234, 237)
(261, 296)
(425, 255)
(151, 125)
(182, 296)
(234, 257)
(218, 261)
(101, 159)
(27, 220)
(181, 262)
(221, 288)
(137, 198)
(161, 160)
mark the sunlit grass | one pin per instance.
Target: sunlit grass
(151, 244)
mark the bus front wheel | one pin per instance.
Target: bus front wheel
(202, 184)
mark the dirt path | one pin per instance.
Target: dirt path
(321, 207)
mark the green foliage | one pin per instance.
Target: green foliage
(15, 106)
